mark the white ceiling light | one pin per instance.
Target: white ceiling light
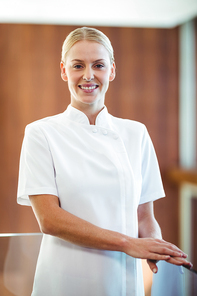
(130, 13)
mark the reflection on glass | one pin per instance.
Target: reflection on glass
(18, 257)
(174, 280)
(17, 265)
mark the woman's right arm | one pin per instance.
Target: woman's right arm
(53, 220)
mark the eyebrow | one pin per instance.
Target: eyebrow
(77, 60)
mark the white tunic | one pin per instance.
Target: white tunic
(101, 173)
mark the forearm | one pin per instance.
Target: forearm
(147, 224)
(83, 233)
(149, 228)
(55, 221)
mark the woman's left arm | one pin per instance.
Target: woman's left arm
(149, 227)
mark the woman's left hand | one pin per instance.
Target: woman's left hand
(173, 260)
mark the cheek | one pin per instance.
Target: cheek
(72, 76)
(104, 78)
(72, 83)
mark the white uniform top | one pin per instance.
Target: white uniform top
(101, 173)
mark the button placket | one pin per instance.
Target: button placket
(105, 132)
(95, 130)
(115, 136)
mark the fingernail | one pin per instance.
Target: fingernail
(155, 270)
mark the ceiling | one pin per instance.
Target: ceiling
(126, 13)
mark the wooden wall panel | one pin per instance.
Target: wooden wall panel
(145, 89)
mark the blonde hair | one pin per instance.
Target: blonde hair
(89, 34)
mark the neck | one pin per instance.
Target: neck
(90, 111)
(92, 117)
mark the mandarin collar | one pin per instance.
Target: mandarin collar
(75, 115)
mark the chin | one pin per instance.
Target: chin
(89, 100)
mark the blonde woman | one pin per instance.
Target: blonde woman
(91, 179)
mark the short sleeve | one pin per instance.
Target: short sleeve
(152, 187)
(36, 169)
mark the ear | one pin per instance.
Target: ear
(63, 72)
(113, 72)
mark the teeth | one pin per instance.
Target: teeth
(90, 87)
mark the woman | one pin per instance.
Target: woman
(91, 179)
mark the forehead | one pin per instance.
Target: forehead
(85, 49)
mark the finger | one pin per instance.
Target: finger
(173, 253)
(190, 265)
(167, 249)
(153, 266)
(179, 261)
(174, 248)
(157, 257)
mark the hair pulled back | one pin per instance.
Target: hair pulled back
(89, 34)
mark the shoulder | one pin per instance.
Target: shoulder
(128, 126)
(44, 123)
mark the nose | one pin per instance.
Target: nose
(88, 74)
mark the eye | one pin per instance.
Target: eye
(77, 66)
(99, 66)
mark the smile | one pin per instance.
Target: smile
(88, 87)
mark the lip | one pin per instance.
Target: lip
(88, 87)
(88, 84)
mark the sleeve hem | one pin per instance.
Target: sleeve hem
(152, 197)
(23, 197)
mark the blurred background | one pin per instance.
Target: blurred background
(155, 47)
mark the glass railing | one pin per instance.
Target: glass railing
(174, 280)
(18, 257)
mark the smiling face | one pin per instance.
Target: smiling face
(88, 71)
